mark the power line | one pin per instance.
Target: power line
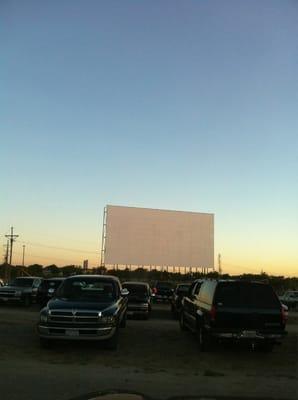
(60, 248)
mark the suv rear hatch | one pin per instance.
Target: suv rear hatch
(247, 305)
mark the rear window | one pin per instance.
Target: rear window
(249, 295)
(164, 285)
(183, 289)
(135, 289)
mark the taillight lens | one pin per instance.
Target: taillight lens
(213, 313)
(154, 290)
(284, 315)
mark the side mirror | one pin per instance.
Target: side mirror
(124, 292)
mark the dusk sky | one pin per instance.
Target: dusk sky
(183, 105)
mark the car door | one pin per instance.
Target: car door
(189, 306)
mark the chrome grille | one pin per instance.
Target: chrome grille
(74, 317)
(7, 293)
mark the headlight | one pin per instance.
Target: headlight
(44, 316)
(110, 319)
(18, 293)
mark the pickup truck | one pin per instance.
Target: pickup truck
(290, 299)
(85, 307)
(234, 310)
(22, 290)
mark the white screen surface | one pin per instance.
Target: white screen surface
(142, 236)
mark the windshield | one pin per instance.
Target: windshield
(248, 295)
(22, 282)
(87, 289)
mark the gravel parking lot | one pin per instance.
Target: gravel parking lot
(154, 358)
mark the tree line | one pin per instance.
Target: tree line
(279, 283)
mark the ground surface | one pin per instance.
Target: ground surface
(154, 358)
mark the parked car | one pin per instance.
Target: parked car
(139, 299)
(47, 289)
(235, 311)
(162, 291)
(21, 290)
(180, 291)
(85, 307)
(290, 298)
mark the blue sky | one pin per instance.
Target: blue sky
(188, 105)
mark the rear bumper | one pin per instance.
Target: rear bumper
(137, 309)
(95, 334)
(162, 297)
(249, 335)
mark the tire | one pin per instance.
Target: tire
(266, 347)
(123, 322)
(27, 301)
(112, 343)
(146, 316)
(44, 343)
(203, 339)
(182, 322)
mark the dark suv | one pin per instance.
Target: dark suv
(139, 299)
(162, 291)
(21, 290)
(180, 291)
(235, 311)
(47, 290)
(85, 307)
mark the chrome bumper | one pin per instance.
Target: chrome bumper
(246, 335)
(53, 332)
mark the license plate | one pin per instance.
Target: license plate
(129, 312)
(4, 298)
(71, 332)
(249, 334)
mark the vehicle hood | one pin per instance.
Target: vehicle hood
(10, 287)
(63, 304)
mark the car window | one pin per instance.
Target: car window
(182, 289)
(87, 290)
(22, 282)
(135, 289)
(247, 295)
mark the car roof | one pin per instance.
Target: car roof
(103, 277)
(28, 277)
(57, 278)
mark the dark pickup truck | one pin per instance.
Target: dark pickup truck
(22, 290)
(234, 311)
(85, 307)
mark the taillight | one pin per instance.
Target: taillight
(154, 290)
(284, 315)
(213, 313)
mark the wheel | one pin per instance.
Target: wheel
(203, 339)
(44, 343)
(123, 322)
(266, 347)
(27, 301)
(146, 316)
(112, 343)
(182, 322)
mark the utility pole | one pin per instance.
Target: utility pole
(11, 238)
(23, 261)
(6, 252)
(219, 264)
